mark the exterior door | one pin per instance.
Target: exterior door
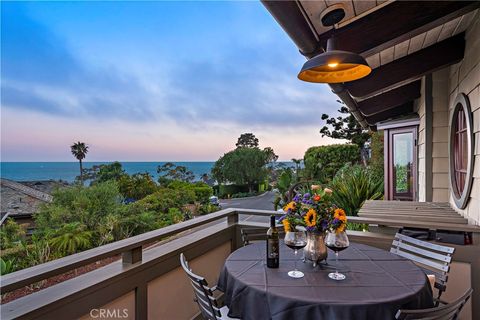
(401, 164)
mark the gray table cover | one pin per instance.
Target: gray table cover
(378, 283)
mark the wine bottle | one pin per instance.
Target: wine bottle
(273, 249)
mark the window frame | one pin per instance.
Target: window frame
(461, 104)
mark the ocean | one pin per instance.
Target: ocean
(67, 171)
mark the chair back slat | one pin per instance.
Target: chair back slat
(424, 252)
(429, 245)
(447, 312)
(433, 258)
(424, 261)
(203, 293)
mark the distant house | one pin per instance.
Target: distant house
(20, 200)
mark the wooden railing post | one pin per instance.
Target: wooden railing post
(232, 220)
(132, 256)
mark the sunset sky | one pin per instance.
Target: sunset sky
(152, 81)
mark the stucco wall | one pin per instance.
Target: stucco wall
(464, 77)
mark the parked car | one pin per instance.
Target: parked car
(214, 201)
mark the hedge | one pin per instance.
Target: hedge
(322, 163)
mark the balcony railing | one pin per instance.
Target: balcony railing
(148, 283)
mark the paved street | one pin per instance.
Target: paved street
(262, 202)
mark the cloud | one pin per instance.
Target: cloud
(245, 84)
(39, 73)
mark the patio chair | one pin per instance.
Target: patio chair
(255, 234)
(434, 259)
(207, 302)
(445, 312)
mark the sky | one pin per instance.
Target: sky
(152, 81)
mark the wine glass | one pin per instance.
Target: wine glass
(336, 241)
(295, 240)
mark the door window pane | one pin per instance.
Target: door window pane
(402, 163)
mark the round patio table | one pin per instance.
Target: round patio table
(378, 283)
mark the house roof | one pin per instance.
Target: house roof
(21, 200)
(401, 40)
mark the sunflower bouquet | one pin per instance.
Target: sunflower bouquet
(314, 211)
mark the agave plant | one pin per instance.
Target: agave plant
(353, 185)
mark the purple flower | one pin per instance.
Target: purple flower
(296, 198)
(306, 196)
(336, 221)
(311, 229)
(282, 218)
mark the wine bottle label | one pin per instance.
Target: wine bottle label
(273, 248)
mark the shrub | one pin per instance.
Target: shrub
(353, 185)
(86, 205)
(322, 163)
(11, 233)
(166, 198)
(376, 161)
(244, 194)
(7, 266)
(207, 208)
(202, 190)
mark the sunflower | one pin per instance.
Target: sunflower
(311, 218)
(341, 228)
(339, 213)
(286, 225)
(290, 206)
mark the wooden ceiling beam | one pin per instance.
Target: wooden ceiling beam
(390, 99)
(395, 23)
(401, 110)
(410, 67)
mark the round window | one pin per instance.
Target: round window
(461, 151)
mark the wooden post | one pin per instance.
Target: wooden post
(232, 220)
(132, 256)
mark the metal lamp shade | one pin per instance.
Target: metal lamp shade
(334, 66)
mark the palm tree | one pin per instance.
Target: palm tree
(79, 151)
(71, 238)
(297, 166)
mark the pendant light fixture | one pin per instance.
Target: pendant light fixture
(334, 66)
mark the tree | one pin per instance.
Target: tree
(241, 166)
(136, 186)
(270, 154)
(112, 171)
(173, 172)
(247, 140)
(346, 128)
(79, 151)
